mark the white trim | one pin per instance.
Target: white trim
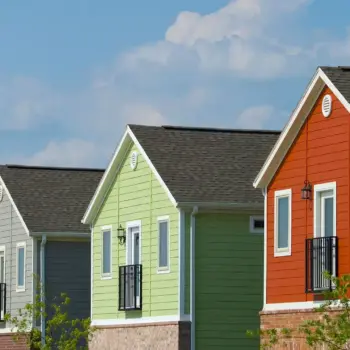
(283, 251)
(329, 186)
(163, 269)
(113, 169)
(274, 159)
(140, 321)
(193, 278)
(18, 246)
(92, 271)
(142, 151)
(14, 206)
(302, 305)
(265, 244)
(130, 224)
(107, 275)
(182, 242)
(252, 219)
(87, 216)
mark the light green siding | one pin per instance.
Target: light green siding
(136, 195)
(229, 281)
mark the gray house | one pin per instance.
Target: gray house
(41, 234)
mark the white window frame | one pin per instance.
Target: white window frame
(163, 269)
(283, 251)
(129, 225)
(106, 276)
(318, 189)
(252, 229)
(18, 246)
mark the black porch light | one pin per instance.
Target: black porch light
(306, 190)
(121, 235)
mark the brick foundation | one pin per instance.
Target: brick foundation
(290, 319)
(7, 343)
(162, 336)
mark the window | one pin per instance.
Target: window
(163, 244)
(283, 229)
(257, 224)
(106, 252)
(21, 257)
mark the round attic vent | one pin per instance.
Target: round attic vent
(327, 106)
(133, 160)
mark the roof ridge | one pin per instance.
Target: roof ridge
(209, 129)
(39, 167)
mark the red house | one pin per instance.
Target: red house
(306, 183)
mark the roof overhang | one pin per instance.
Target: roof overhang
(111, 172)
(63, 235)
(227, 206)
(295, 123)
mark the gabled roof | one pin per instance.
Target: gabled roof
(51, 199)
(196, 165)
(338, 80)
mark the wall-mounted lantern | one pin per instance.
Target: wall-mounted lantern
(306, 190)
(121, 234)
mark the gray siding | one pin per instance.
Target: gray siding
(12, 232)
(68, 271)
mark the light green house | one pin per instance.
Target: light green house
(177, 240)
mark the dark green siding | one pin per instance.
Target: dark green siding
(229, 281)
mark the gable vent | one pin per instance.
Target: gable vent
(133, 160)
(327, 106)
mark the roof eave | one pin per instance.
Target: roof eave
(220, 205)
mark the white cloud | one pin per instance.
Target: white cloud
(240, 37)
(73, 152)
(24, 102)
(258, 117)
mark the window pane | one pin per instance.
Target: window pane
(20, 276)
(328, 217)
(163, 244)
(283, 222)
(106, 252)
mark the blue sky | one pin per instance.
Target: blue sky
(73, 73)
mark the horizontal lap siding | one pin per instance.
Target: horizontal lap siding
(229, 281)
(136, 195)
(320, 152)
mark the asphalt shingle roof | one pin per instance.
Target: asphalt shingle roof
(340, 77)
(207, 165)
(51, 199)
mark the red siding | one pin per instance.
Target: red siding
(320, 153)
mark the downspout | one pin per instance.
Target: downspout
(42, 289)
(264, 193)
(193, 277)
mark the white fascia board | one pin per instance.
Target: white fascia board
(282, 146)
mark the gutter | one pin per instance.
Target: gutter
(62, 234)
(264, 193)
(192, 275)
(42, 289)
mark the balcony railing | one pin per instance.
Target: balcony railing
(2, 301)
(130, 287)
(321, 256)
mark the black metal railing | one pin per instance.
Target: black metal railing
(321, 256)
(130, 287)
(2, 301)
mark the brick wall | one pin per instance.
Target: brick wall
(290, 319)
(162, 336)
(7, 343)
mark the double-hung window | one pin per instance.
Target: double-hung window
(283, 222)
(163, 244)
(21, 267)
(106, 252)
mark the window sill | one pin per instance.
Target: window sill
(163, 271)
(282, 253)
(20, 290)
(106, 277)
